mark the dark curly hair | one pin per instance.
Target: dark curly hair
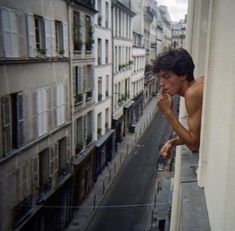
(178, 61)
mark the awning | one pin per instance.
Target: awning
(104, 138)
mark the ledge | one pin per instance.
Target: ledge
(194, 210)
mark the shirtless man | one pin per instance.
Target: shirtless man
(175, 70)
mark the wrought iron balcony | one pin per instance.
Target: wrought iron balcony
(87, 3)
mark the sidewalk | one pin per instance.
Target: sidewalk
(87, 210)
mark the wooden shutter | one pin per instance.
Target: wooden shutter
(14, 34)
(6, 122)
(65, 39)
(25, 180)
(20, 120)
(53, 41)
(35, 173)
(31, 35)
(48, 37)
(10, 32)
(60, 102)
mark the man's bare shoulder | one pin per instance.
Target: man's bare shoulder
(196, 89)
(194, 95)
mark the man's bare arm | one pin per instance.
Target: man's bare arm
(190, 137)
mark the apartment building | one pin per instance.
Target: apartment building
(103, 134)
(213, 191)
(82, 64)
(178, 33)
(35, 134)
(166, 42)
(138, 57)
(122, 60)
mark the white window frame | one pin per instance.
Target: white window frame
(42, 111)
(10, 34)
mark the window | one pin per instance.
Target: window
(77, 31)
(106, 14)
(100, 89)
(59, 37)
(79, 138)
(44, 176)
(106, 50)
(77, 89)
(106, 119)
(63, 156)
(100, 13)
(99, 125)
(42, 110)
(40, 34)
(9, 31)
(107, 86)
(89, 128)
(60, 104)
(89, 33)
(12, 122)
(99, 52)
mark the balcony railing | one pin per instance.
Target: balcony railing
(87, 3)
(23, 210)
(43, 190)
(89, 95)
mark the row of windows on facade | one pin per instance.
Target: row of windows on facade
(121, 92)
(100, 15)
(101, 91)
(85, 127)
(37, 173)
(122, 58)
(139, 63)
(47, 103)
(46, 37)
(100, 52)
(121, 23)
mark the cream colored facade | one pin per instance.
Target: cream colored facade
(103, 69)
(210, 39)
(35, 124)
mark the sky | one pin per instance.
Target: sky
(176, 8)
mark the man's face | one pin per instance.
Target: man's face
(170, 83)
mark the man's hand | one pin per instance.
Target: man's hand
(164, 103)
(166, 150)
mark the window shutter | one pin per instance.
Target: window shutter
(53, 43)
(48, 36)
(14, 34)
(39, 112)
(18, 185)
(56, 158)
(31, 35)
(53, 155)
(6, 122)
(68, 149)
(20, 120)
(6, 26)
(84, 77)
(65, 39)
(51, 161)
(35, 173)
(25, 180)
(60, 101)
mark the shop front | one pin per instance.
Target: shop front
(84, 176)
(104, 151)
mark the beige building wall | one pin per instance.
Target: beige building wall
(210, 40)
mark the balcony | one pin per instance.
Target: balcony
(89, 95)
(79, 99)
(86, 3)
(189, 210)
(44, 190)
(23, 210)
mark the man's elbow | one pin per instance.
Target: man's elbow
(194, 147)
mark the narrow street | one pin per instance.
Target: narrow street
(126, 205)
